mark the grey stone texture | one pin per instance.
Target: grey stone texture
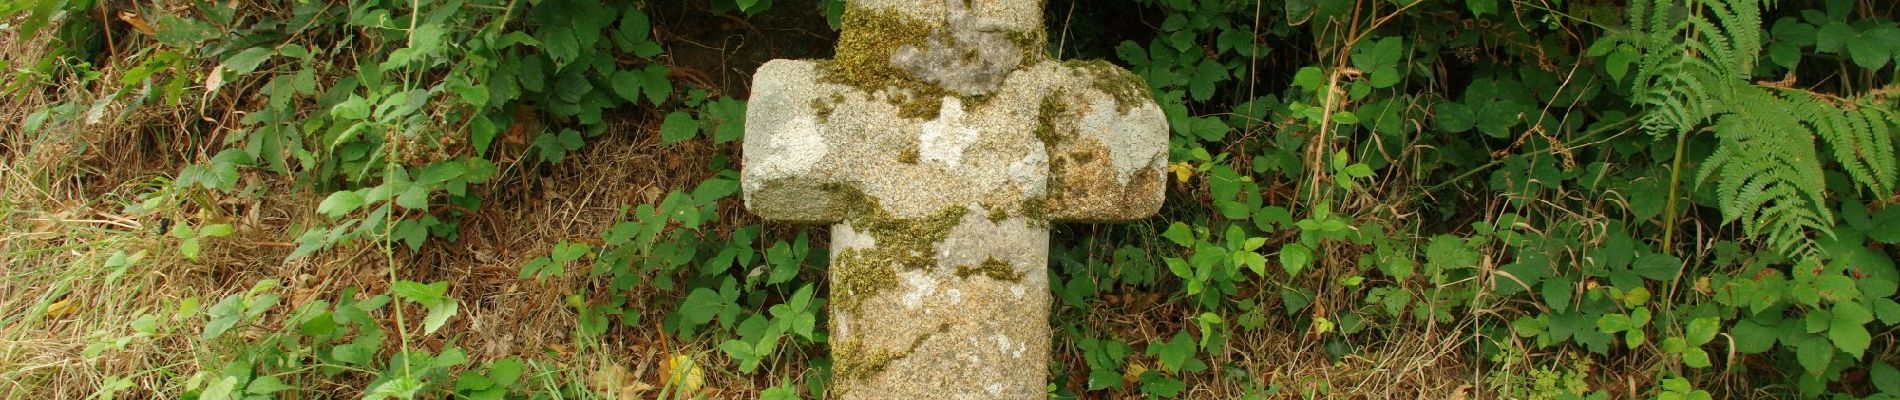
(940, 236)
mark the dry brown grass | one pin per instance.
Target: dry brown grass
(65, 213)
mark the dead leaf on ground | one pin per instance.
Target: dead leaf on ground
(615, 381)
(1460, 393)
(137, 22)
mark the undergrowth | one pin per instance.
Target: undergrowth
(1372, 198)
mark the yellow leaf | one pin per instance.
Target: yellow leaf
(61, 308)
(1133, 373)
(681, 374)
(1182, 171)
(1321, 325)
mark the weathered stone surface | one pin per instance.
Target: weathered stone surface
(1107, 157)
(946, 329)
(941, 142)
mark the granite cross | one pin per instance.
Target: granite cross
(940, 142)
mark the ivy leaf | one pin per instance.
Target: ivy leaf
(1618, 62)
(1251, 260)
(1847, 328)
(267, 384)
(1205, 76)
(654, 83)
(217, 230)
(746, 6)
(743, 352)
(1752, 337)
(1886, 378)
(1295, 257)
(1696, 357)
(1702, 330)
(1179, 234)
(439, 314)
(700, 307)
(505, 371)
(219, 390)
(1613, 323)
(627, 84)
(1814, 353)
(677, 127)
(356, 107)
(419, 292)
(1867, 52)
(224, 316)
(560, 44)
(1557, 292)
(1657, 266)
(1481, 7)
(1309, 78)
(172, 30)
(1887, 310)
(246, 61)
(1454, 117)
(415, 198)
(1156, 384)
(1176, 354)
(1832, 37)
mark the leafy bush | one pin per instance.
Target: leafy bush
(1563, 188)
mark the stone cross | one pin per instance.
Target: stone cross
(940, 142)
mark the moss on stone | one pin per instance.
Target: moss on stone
(1034, 45)
(993, 268)
(907, 243)
(1036, 210)
(854, 362)
(1051, 108)
(1081, 157)
(851, 361)
(822, 109)
(858, 274)
(1127, 88)
(866, 42)
(908, 155)
(997, 213)
(869, 37)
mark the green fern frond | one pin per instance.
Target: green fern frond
(1767, 168)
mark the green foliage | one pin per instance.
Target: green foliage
(1695, 70)
(1348, 172)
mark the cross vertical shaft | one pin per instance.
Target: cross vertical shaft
(940, 143)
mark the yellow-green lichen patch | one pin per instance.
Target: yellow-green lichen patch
(1034, 44)
(822, 108)
(1127, 89)
(858, 274)
(865, 45)
(1081, 157)
(1036, 210)
(1051, 109)
(854, 362)
(908, 155)
(993, 268)
(997, 213)
(907, 243)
